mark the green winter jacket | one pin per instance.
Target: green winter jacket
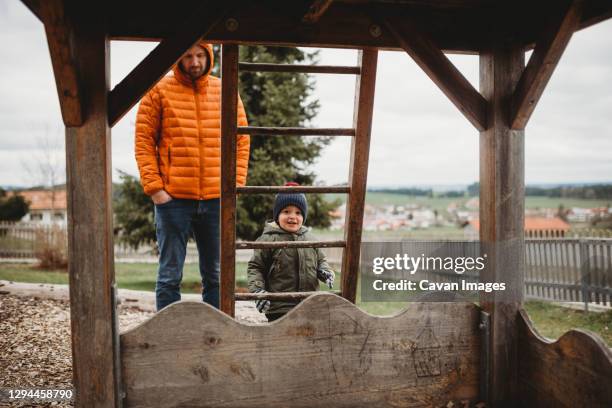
(285, 269)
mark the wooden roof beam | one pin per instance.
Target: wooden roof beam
(159, 61)
(440, 69)
(34, 7)
(316, 10)
(542, 63)
(60, 38)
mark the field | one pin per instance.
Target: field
(441, 203)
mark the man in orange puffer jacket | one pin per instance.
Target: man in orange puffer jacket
(178, 151)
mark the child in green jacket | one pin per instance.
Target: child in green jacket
(287, 269)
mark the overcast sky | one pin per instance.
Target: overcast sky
(418, 136)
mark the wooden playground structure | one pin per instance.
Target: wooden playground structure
(325, 352)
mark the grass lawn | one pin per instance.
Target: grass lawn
(136, 276)
(550, 320)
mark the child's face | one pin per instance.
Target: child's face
(290, 218)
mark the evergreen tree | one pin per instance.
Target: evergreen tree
(134, 223)
(279, 100)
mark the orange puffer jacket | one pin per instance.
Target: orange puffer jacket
(178, 136)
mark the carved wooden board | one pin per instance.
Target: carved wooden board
(574, 371)
(325, 352)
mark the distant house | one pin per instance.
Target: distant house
(534, 227)
(45, 208)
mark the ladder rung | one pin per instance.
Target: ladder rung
(278, 295)
(294, 131)
(293, 189)
(310, 69)
(289, 244)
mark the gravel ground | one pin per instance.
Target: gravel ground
(35, 342)
(35, 349)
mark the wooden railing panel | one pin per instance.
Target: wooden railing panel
(325, 352)
(574, 371)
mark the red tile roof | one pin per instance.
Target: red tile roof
(537, 224)
(42, 199)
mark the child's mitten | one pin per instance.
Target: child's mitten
(327, 277)
(262, 305)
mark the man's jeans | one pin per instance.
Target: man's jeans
(174, 222)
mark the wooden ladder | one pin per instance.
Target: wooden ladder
(358, 170)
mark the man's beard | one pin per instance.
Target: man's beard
(196, 73)
(193, 74)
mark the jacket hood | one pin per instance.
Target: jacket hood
(185, 79)
(273, 228)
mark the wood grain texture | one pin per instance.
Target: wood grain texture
(90, 229)
(295, 131)
(440, 70)
(290, 244)
(464, 26)
(324, 353)
(316, 10)
(229, 126)
(310, 69)
(543, 61)
(358, 170)
(159, 61)
(574, 371)
(293, 189)
(502, 203)
(60, 39)
(278, 295)
(278, 22)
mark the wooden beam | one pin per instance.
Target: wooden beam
(34, 7)
(542, 63)
(310, 69)
(229, 132)
(295, 131)
(316, 10)
(358, 170)
(594, 11)
(278, 295)
(454, 26)
(441, 71)
(277, 22)
(60, 39)
(95, 353)
(159, 61)
(573, 371)
(293, 189)
(502, 197)
(290, 244)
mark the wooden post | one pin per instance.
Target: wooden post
(358, 171)
(229, 127)
(502, 217)
(90, 233)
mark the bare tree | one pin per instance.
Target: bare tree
(46, 166)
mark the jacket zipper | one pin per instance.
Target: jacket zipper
(200, 144)
(297, 250)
